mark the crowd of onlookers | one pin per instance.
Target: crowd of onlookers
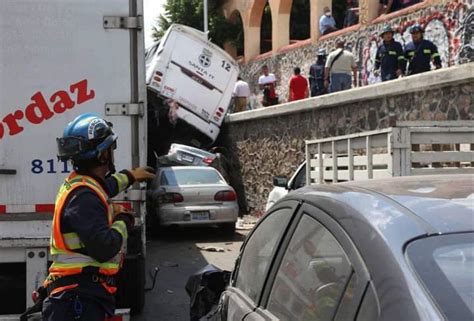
(337, 70)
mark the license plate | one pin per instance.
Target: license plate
(187, 158)
(200, 216)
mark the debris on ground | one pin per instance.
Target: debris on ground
(246, 223)
(211, 248)
(169, 264)
(169, 291)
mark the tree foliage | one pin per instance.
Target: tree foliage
(191, 13)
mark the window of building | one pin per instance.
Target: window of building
(266, 30)
(300, 20)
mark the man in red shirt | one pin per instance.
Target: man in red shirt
(298, 86)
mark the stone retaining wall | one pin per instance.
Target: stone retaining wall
(270, 141)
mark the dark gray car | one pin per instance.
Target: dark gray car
(396, 249)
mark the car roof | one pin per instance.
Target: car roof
(430, 204)
(184, 167)
(446, 202)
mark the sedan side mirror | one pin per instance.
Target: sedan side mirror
(280, 181)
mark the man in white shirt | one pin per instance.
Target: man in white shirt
(241, 95)
(327, 24)
(339, 66)
(267, 83)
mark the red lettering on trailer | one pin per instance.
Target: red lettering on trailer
(44, 208)
(82, 94)
(38, 110)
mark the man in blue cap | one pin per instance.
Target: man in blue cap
(390, 58)
(420, 52)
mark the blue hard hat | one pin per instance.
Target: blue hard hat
(416, 28)
(386, 29)
(85, 138)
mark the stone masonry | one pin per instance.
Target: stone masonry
(270, 141)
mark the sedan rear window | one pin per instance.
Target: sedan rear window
(190, 177)
(445, 264)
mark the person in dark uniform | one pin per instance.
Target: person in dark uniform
(390, 58)
(89, 233)
(420, 52)
(316, 74)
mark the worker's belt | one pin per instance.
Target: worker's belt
(81, 279)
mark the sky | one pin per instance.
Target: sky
(152, 9)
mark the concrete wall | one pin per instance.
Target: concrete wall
(269, 141)
(448, 25)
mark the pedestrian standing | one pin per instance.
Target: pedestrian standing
(298, 87)
(327, 23)
(316, 74)
(351, 16)
(89, 234)
(390, 59)
(339, 66)
(267, 83)
(241, 95)
(420, 52)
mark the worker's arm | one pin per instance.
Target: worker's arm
(289, 91)
(326, 76)
(402, 62)
(435, 56)
(306, 93)
(377, 59)
(119, 182)
(86, 215)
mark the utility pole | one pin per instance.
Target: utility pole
(206, 25)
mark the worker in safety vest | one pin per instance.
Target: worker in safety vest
(420, 52)
(89, 233)
(390, 59)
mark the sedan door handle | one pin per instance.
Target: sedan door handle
(7, 171)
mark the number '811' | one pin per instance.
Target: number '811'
(50, 166)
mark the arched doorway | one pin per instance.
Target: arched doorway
(238, 30)
(266, 29)
(300, 20)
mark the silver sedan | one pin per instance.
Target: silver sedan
(194, 196)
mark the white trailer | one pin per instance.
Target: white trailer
(60, 59)
(409, 148)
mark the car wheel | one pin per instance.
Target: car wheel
(228, 228)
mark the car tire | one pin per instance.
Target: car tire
(228, 228)
(131, 285)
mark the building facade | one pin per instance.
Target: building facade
(447, 23)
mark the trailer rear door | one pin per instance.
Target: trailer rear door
(60, 59)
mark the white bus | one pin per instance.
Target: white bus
(196, 74)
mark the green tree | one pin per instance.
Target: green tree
(191, 13)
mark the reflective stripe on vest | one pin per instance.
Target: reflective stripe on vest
(63, 246)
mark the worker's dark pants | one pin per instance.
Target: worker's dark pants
(70, 306)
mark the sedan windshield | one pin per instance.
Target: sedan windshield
(445, 264)
(190, 177)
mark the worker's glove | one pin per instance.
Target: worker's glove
(121, 213)
(141, 174)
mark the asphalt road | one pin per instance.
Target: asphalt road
(177, 255)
